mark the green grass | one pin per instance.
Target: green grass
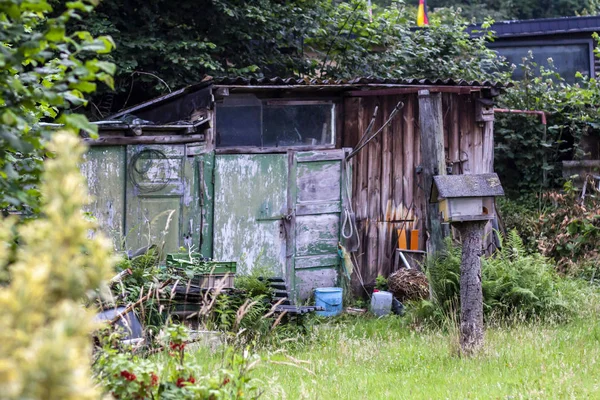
(384, 359)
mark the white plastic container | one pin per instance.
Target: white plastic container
(381, 303)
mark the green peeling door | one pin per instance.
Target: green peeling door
(250, 197)
(280, 212)
(316, 199)
(159, 183)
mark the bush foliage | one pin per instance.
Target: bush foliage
(45, 337)
(45, 74)
(516, 285)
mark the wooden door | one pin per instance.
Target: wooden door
(158, 188)
(250, 205)
(315, 198)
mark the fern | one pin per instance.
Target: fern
(514, 282)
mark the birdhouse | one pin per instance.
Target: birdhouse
(466, 197)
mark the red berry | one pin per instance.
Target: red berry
(180, 382)
(191, 379)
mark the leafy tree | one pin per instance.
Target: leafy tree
(354, 44)
(166, 45)
(510, 9)
(45, 74)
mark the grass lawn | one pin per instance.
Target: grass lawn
(361, 358)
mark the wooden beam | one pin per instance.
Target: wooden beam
(408, 90)
(125, 140)
(271, 150)
(433, 161)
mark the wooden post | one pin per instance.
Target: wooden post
(471, 294)
(433, 159)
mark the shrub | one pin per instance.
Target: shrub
(45, 337)
(516, 284)
(173, 373)
(570, 231)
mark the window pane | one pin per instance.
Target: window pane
(238, 126)
(568, 58)
(296, 125)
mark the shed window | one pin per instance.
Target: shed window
(244, 120)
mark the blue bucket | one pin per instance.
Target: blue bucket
(330, 298)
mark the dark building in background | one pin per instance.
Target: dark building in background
(568, 41)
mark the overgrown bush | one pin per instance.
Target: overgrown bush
(570, 231)
(174, 373)
(516, 285)
(528, 154)
(522, 215)
(45, 343)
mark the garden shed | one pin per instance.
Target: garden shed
(265, 172)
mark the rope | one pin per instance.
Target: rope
(347, 218)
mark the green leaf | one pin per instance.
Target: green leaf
(79, 122)
(55, 33)
(83, 86)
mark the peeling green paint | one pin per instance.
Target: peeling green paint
(250, 200)
(104, 169)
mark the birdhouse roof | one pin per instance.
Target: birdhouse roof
(472, 185)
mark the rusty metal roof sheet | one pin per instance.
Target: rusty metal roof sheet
(471, 185)
(242, 81)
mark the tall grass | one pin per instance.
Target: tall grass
(383, 359)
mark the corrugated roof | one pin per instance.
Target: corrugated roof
(334, 84)
(470, 185)
(277, 81)
(543, 26)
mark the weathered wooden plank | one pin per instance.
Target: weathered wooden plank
(398, 163)
(206, 167)
(408, 148)
(289, 225)
(309, 208)
(374, 189)
(386, 200)
(454, 137)
(314, 155)
(310, 279)
(386, 205)
(433, 160)
(105, 172)
(477, 140)
(318, 181)
(351, 133)
(488, 147)
(318, 261)
(466, 154)
(129, 140)
(270, 150)
(446, 101)
(362, 168)
(372, 240)
(317, 234)
(191, 210)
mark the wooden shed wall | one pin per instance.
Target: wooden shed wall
(386, 186)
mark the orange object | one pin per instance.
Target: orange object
(414, 239)
(402, 244)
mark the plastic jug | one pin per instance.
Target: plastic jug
(381, 303)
